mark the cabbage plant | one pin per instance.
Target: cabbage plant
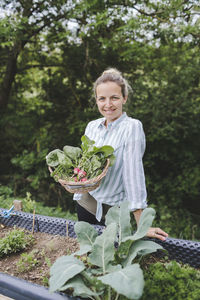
(104, 267)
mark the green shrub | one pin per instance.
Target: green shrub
(171, 281)
(15, 241)
(170, 220)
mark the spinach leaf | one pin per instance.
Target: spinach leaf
(52, 158)
(72, 152)
(86, 143)
(63, 159)
(106, 150)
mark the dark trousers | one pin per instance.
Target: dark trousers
(86, 216)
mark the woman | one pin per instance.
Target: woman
(125, 180)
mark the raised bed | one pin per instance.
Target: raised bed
(184, 251)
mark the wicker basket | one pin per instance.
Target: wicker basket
(83, 187)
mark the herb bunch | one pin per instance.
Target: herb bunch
(79, 164)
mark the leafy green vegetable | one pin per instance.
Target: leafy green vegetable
(52, 158)
(72, 152)
(106, 272)
(80, 164)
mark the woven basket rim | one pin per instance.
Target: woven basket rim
(84, 183)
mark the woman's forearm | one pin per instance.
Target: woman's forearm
(137, 213)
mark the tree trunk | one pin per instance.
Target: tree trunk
(11, 70)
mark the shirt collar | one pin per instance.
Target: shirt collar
(114, 123)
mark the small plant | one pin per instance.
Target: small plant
(45, 281)
(99, 270)
(26, 262)
(48, 262)
(28, 204)
(15, 241)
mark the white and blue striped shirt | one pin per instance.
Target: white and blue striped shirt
(125, 180)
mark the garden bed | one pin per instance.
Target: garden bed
(39, 256)
(55, 237)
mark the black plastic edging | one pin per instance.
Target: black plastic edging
(184, 251)
(20, 289)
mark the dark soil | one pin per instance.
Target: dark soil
(45, 250)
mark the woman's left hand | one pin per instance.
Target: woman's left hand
(157, 233)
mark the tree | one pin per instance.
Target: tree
(154, 43)
(30, 18)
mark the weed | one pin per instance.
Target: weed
(26, 262)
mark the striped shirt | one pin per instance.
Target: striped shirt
(125, 180)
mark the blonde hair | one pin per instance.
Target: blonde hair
(113, 75)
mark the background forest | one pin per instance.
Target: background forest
(52, 51)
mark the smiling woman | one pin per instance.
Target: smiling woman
(125, 180)
(110, 101)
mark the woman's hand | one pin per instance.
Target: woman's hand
(153, 232)
(157, 233)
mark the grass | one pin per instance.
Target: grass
(30, 205)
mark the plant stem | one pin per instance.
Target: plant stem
(97, 297)
(117, 296)
(109, 293)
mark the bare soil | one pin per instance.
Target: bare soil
(44, 251)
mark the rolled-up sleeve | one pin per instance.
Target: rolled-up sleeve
(133, 171)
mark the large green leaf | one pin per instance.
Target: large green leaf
(84, 249)
(140, 248)
(63, 159)
(52, 158)
(79, 287)
(145, 222)
(86, 234)
(72, 152)
(64, 268)
(121, 216)
(128, 281)
(103, 249)
(86, 143)
(107, 150)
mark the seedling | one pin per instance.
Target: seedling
(26, 262)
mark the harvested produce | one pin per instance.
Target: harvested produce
(79, 164)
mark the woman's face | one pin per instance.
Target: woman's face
(110, 100)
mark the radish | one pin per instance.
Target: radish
(84, 179)
(76, 170)
(82, 174)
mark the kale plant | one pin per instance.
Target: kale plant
(99, 270)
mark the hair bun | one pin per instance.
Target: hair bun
(112, 71)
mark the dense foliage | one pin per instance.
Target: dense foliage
(52, 51)
(171, 280)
